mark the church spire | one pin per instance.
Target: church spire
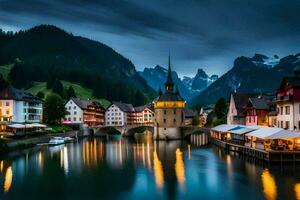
(169, 85)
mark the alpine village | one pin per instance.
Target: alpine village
(48, 100)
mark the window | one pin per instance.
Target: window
(174, 111)
(69, 107)
(281, 110)
(79, 118)
(174, 120)
(7, 103)
(165, 120)
(74, 118)
(69, 119)
(7, 112)
(165, 112)
(74, 107)
(287, 110)
(287, 124)
(75, 113)
(281, 124)
(299, 125)
(24, 110)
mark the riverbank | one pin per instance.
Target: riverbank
(23, 143)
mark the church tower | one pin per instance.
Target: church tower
(169, 111)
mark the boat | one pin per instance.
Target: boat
(56, 141)
(69, 139)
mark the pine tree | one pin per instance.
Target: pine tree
(40, 94)
(70, 92)
(220, 108)
(58, 88)
(54, 109)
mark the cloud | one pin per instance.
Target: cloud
(207, 32)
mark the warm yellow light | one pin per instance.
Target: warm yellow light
(179, 167)
(297, 190)
(169, 104)
(8, 179)
(158, 170)
(269, 185)
(298, 141)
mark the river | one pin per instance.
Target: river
(99, 168)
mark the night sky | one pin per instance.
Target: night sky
(206, 34)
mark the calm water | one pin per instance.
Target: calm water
(122, 169)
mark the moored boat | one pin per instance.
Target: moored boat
(56, 141)
(69, 139)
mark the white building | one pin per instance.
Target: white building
(19, 106)
(87, 112)
(75, 112)
(288, 102)
(120, 114)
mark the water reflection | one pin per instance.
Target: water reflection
(269, 185)
(8, 179)
(158, 170)
(125, 169)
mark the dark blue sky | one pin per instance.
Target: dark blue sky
(206, 34)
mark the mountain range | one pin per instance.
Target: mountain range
(47, 52)
(259, 74)
(188, 87)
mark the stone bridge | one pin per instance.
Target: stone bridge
(129, 130)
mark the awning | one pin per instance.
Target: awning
(284, 134)
(241, 130)
(16, 125)
(38, 125)
(264, 132)
(224, 127)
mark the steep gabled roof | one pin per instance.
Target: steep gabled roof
(170, 96)
(259, 103)
(123, 106)
(18, 95)
(241, 99)
(82, 103)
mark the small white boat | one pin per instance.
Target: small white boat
(69, 139)
(56, 141)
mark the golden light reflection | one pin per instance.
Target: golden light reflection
(92, 151)
(1, 165)
(269, 185)
(179, 167)
(8, 179)
(158, 171)
(189, 152)
(297, 190)
(41, 160)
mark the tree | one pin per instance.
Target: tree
(3, 83)
(58, 88)
(70, 92)
(16, 76)
(220, 108)
(40, 95)
(54, 109)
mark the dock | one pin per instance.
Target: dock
(265, 155)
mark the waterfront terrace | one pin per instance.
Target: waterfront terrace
(267, 143)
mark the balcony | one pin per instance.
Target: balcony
(284, 98)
